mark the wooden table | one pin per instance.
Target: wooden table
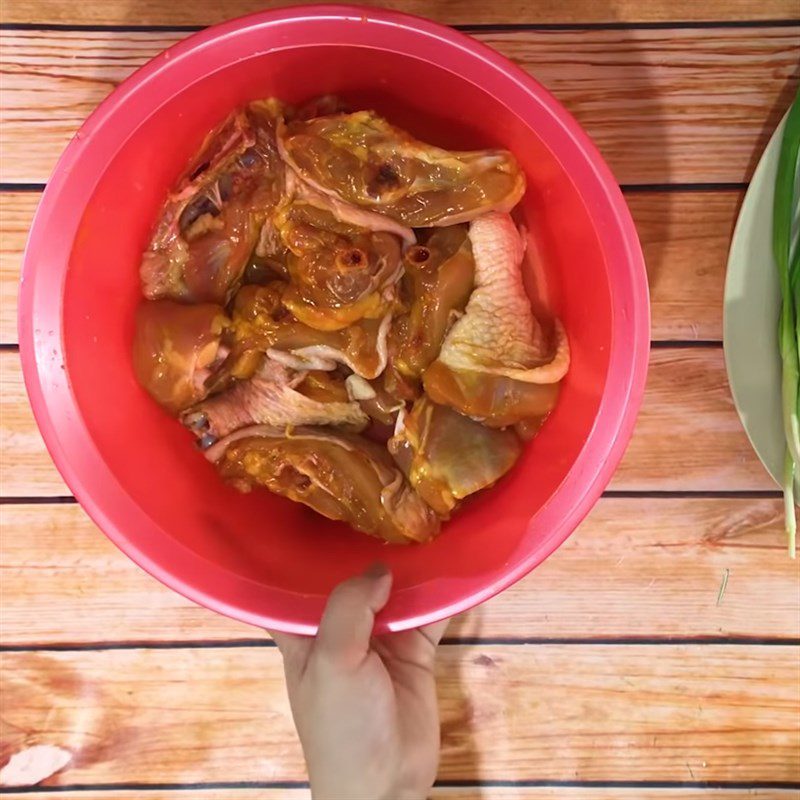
(655, 656)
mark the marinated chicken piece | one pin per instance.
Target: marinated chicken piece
(400, 387)
(341, 476)
(175, 350)
(210, 224)
(437, 284)
(494, 400)
(300, 221)
(338, 273)
(326, 387)
(447, 456)
(273, 396)
(270, 259)
(362, 159)
(259, 318)
(374, 399)
(347, 213)
(498, 333)
(263, 269)
(263, 324)
(495, 364)
(318, 107)
(361, 347)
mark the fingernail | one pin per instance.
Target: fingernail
(376, 570)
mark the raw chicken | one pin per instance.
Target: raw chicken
(495, 364)
(271, 253)
(346, 212)
(273, 396)
(375, 400)
(447, 456)
(338, 273)
(211, 222)
(176, 349)
(343, 477)
(438, 280)
(362, 159)
(263, 324)
(311, 277)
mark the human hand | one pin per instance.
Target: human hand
(365, 707)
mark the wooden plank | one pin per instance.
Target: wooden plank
(654, 568)
(26, 468)
(677, 105)
(441, 793)
(553, 712)
(466, 12)
(16, 215)
(685, 237)
(688, 437)
(659, 103)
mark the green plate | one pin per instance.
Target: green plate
(750, 323)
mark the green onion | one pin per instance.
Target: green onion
(788, 501)
(788, 264)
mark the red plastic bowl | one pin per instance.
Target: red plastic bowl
(257, 557)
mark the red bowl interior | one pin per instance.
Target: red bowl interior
(259, 557)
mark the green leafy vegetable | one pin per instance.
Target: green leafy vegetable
(788, 264)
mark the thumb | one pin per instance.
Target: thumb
(348, 620)
(294, 649)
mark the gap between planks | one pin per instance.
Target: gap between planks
(459, 641)
(465, 27)
(455, 790)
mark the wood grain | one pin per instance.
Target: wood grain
(442, 793)
(553, 712)
(664, 106)
(676, 105)
(688, 436)
(635, 568)
(25, 465)
(685, 237)
(16, 215)
(465, 12)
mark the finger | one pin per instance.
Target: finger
(349, 617)
(434, 632)
(294, 649)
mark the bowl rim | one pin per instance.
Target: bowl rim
(48, 252)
